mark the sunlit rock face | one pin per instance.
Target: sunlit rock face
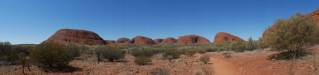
(75, 36)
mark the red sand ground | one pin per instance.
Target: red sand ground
(257, 63)
(246, 63)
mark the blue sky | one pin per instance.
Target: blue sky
(32, 21)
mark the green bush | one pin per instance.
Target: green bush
(145, 51)
(51, 56)
(160, 71)
(142, 60)
(73, 50)
(172, 53)
(238, 46)
(252, 44)
(293, 35)
(12, 54)
(5, 50)
(110, 53)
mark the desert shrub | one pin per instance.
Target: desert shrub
(224, 46)
(145, 51)
(204, 59)
(11, 54)
(5, 49)
(289, 55)
(142, 60)
(190, 52)
(51, 57)
(172, 53)
(238, 46)
(110, 53)
(252, 44)
(160, 71)
(292, 35)
(74, 50)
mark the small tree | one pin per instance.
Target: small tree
(110, 53)
(5, 49)
(73, 50)
(171, 54)
(252, 44)
(51, 56)
(292, 35)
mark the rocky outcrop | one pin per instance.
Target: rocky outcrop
(222, 37)
(142, 40)
(315, 14)
(109, 42)
(169, 40)
(158, 41)
(75, 36)
(191, 40)
(123, 41)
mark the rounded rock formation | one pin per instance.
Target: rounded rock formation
(158, 41)
(169, 40)
(142, 40)
(123, 41)
(109, 42)
(222, 37)
(75, 36)
(191, 40)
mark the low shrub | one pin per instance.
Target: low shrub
(238, 46)
(144, 51)
(110, 53)
(287, 55)
(172, 54)
(142, 60)
(51, 57)
(12, 54)
(73, 50)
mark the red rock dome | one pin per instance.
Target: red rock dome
(123, 41)
(192, 39)
(222, 37)
(158, 41)
(169, 40)
(76, 36)
(142, 40)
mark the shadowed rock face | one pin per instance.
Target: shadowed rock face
(169, 40)
(83, 37)
(192, 39)
(158, 41)
(123, 41)
(222, 37)
(142, 40)
(109, 42)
